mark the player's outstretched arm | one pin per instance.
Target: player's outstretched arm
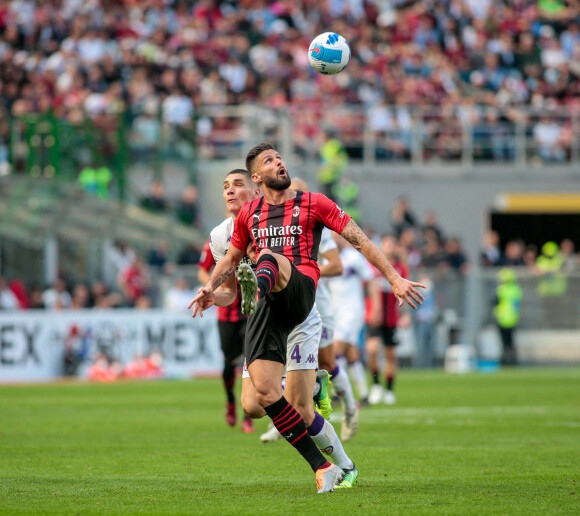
(224, 269)
(404, 290)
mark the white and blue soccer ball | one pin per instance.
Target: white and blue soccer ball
(329, 53)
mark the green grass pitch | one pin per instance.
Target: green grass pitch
(503, 443)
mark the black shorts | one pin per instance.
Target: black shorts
(232, 335)
(386, 333)
(276, 316)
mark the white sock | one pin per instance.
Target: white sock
(343, 388)
(357, 373)
(341, 362)
(328, 443)
(316, 389)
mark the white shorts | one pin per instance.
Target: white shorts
(348, 327)
(325, 308)
(302, 346)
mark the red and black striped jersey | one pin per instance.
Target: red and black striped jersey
(230, 313)
(292, 228)
(389, 303)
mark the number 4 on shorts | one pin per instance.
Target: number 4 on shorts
(296, 354)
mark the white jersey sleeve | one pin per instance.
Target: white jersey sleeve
(220, 238)
(327, 243)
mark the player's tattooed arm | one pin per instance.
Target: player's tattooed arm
(222, 278)
(354, 235)
(404, 290)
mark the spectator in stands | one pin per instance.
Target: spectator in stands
(133, 282)
(178, 295)
(136, 368)
(548, 138)
(334, 161)
(101, 370)
(154, 365)
(19, 290)
(431, 223)
(455, 258)
(402, 217)
(187, 210)
(189, 255)
(530, 256)
(80, 298)
(155, 200)
(159, 258)
(8, 301)
(102, 297)
(73, 351)
(424, 325)
(432, 253)
(571, 261)
(490, 252)
(119, 256)
(143, 302)
(36, 301)
(408, 248)
(57, 296)
(514, 254)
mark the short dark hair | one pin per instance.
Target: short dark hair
(255, 152)
(245, 173)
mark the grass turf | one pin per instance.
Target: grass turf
(503, 443)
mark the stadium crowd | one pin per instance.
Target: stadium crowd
(422, 244)
(159, 60)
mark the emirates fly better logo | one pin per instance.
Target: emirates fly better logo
(276, 236)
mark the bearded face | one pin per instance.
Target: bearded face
(277, 183)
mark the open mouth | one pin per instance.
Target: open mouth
(282, 172)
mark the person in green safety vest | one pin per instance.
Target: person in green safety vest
(507, 313)
(346, 195)
(549, 266)
(334, 162)
(96, 181)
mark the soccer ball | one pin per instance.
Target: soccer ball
(329, 53)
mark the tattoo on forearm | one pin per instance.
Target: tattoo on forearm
(353, 234)
(222, 278)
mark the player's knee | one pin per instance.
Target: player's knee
(252, 408)
(266, 397)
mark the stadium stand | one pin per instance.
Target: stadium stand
(90, 90)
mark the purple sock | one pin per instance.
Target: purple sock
(316, 427)
(334, 372)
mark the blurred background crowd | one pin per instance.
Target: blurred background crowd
(89, 85)
(422, 244)
(158, 61)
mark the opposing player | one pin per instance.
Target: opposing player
(382, 332)
(231, 321)
(331, 266)
(347, 296)
(284, 229)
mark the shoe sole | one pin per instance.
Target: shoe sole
(249, 288)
